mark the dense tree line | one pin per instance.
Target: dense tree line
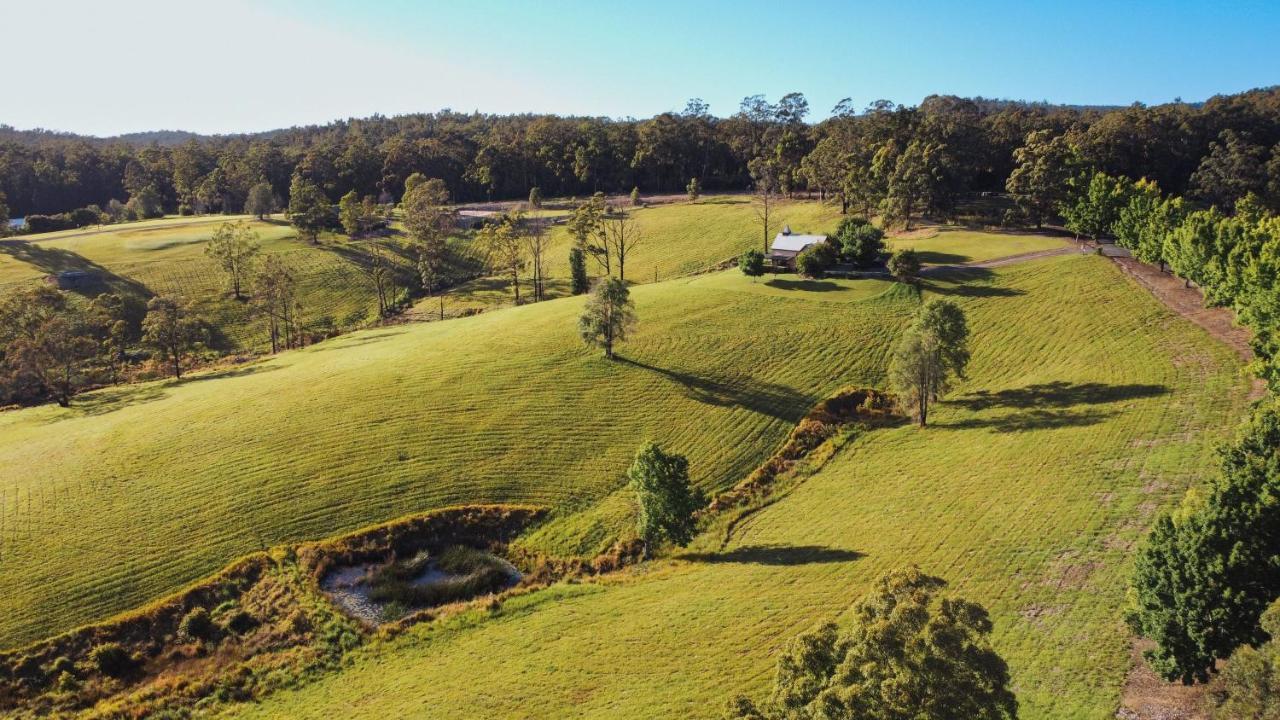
(899, 159)
(1208, 570)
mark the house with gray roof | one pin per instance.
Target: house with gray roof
(787, 245)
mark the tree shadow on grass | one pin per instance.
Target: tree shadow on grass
(346, 342)
(933, 257)
(1030, 420)
(54, 260)
(776, 555)
(778, 401)
(965, 282)
(1058, 393)
(805, 285)
(117, 397)
(1047, 405)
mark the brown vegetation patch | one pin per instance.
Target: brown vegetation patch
(1069, 572)
(263, 623)
(847, 406)
(1146, 696)
(1037, 614)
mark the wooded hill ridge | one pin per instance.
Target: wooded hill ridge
(486, 157)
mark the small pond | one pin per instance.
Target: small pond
(380, 592)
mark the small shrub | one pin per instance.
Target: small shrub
(67, 682)
(394, 611)
(904, 265)
(62, 664)
(752, 263)
(815, 260)
(112, 659)
(196, 625)
(241, 622)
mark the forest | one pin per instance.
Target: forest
(946, 147)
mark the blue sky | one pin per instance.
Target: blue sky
(240, 65)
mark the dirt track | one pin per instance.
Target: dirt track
(1189, 303)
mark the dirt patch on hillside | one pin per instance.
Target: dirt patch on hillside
(1189, 303)
(1147, 697)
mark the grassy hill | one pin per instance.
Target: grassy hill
(679, 239)
(1087, 408)
(166, 257)
(135, 491)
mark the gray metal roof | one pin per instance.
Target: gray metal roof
(796, 243)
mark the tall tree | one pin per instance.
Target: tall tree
(608, 316)
(1233, 168)
(1043, 167)
(275, 297)
(113, 331)
(428, 218)
(912, 180)
(171, 330)
(1094, 204)
(309, 209)
(261, 201)
(350, 214)
(667, 503)
(586, 227)
(933, 349)
(622, 235)
(764, 176)
(578, 271)
(1207, 571)
(505, 246)
(234, 246)
(536, 241)
(911, 653)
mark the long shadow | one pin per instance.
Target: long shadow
(244, 371)
(776, 555)
(805, 285)
(346, 342)
(778, 401)
(53, 260)
(1047, 405)
(1030, 420)
(111, 399)
(968, 282)
(1058, 394)
(940, 258)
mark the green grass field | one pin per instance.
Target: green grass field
(951, 245)
(1078, 421)
(679, 239)
(166, 257)
(503, 406)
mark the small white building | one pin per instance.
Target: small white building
(787, 245)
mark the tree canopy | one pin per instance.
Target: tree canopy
(910, 653)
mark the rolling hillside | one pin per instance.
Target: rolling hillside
(1087, 408)
(503, 406)
(166, 257)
